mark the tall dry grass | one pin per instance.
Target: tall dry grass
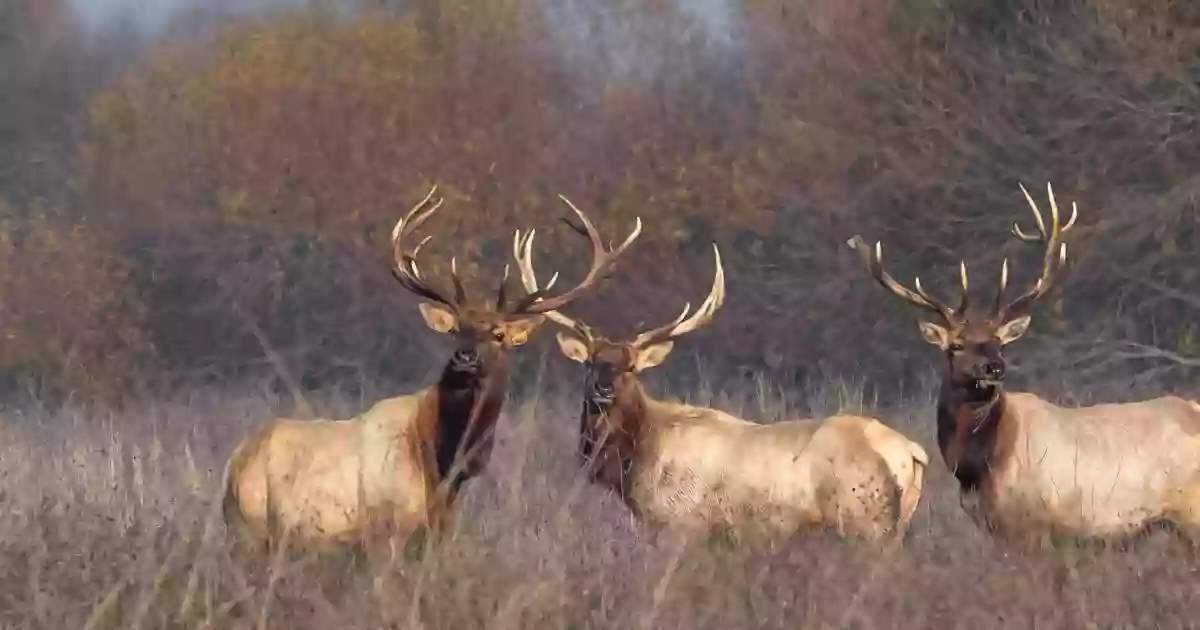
(108, 522)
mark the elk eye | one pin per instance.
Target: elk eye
(499, 335)
(956, 347)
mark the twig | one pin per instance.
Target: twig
(275, 361)
(1135, 350)
(1190, 299)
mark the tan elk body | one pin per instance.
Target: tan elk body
(700, 468)
(1102, 471)
(398, 467)
(1029, 468)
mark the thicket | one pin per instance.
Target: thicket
(246, 180)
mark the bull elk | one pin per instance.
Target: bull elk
(398, 467)
(1028, 468)
(698, 468)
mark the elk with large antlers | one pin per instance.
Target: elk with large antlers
(1027, 467)
(700, 468)
(398, 467)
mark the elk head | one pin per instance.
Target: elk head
(484, 331)
(609, 362)
(974, 344)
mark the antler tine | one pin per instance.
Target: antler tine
(874, 263)
(709, 307)
(523, 253)
(964, 301)
(501, 294)
(1040, 288)
(1037, 215)
(703, 315)
(998, 305)
(602, 259)
(405, 268)
(1053, 260)
(1055, 230)
(460, 293)
(662, 332)
(411, 221)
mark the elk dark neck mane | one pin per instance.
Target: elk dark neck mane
(968, 430)
(467, 407)
(609, 434)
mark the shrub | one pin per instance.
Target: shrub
(70, 325)
(909, 121)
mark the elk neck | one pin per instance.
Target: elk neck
(969, 423)
(610, 434)
(465, 407)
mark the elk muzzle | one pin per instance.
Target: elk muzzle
(466, 360)
(603, 394)
(994, 371)
(982, 372)
(979, 365)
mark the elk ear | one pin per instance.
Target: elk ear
(1013, 330)
(652, 355)
(438, 317)
(935, 335)
(518, 331)
(571, 346)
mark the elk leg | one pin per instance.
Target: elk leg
(910, 497)
(376, 542)
(246, 541)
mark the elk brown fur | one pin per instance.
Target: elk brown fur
(1028, 468)
(698, 468)
(398, 467)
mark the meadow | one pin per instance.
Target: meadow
(109, 522)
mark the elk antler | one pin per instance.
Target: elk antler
(920, 298)
(501, 295)
(1053, 260)
(523, 253)
(408, 273)
(405, 268)
(602, 259)
(683, 324)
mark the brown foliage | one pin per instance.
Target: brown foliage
(909, 120)
(68, 321)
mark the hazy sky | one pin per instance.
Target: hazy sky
(589, 33)
(715, 16)
(150, 16)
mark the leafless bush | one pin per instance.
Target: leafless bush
(250, 175)
(70, 323)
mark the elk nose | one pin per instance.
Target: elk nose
(466, 356)
(994, 370)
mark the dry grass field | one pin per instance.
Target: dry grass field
(108, 522)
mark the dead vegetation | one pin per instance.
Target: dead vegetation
(250, 172)
(107, 525)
